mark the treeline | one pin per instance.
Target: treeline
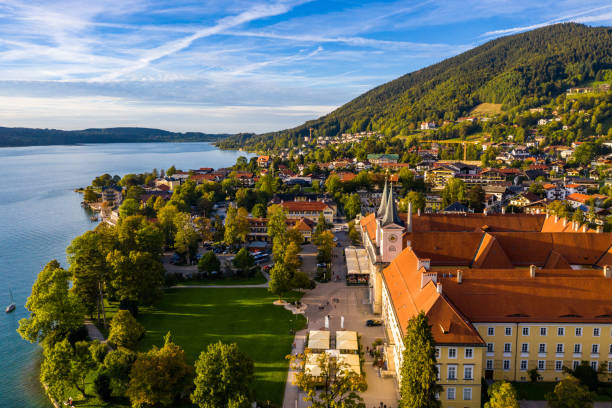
(513, 70)
(40, 137)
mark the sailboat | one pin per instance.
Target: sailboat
(10, 307)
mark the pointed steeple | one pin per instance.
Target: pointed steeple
(383, 201)
(390, 216)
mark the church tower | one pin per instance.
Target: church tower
(391, 230)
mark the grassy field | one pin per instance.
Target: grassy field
(198, 317)
(486, 109)
(255, 280)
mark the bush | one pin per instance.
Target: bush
(125, 331)
(102, 386)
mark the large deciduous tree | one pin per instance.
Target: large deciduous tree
(236, 225)
(209, 263)
(569, 393)
(224, 377)
(138, 276)
(125, 331)
(160, 376)
(55, 310)
(418, 387)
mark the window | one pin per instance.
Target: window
(437, 352)
(491, 331)
(542, 348)
(452, 352)
(468, 373)
(594, 365)
(610, 366)
(438, 372)
(467, 394)
(541, 365)
(561, 331)
(450, 393)
(558, 365)
(610, 352)
(525, 331)
(452, 372)
(508, 331)
(506, 365)
(525, 348)
(507, 348)
(595, 331)
(577, 348)
(595, 349)
(489, 347)
(559, 348)
(576, 364)
(490, 364)
(578, 331)
(543, 331)
(523, 365)
(469, 353)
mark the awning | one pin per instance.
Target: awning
(318, 340)
(346, 340)
(351, 362)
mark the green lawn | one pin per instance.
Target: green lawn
(537, 391)
(255, 280)
(198, 317)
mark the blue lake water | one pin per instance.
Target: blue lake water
(40, 214)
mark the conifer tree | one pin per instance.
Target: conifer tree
(419, 373)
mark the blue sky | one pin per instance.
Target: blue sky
(233, 65)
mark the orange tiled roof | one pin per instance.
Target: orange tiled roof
(369, 224)
(293, 206)
(511, 295)
(491, 254)
(582, 198)
(403, 283)
(474, 222)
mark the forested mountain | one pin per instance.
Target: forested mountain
(521, 70)
(38, 137)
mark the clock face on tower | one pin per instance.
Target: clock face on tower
(392, 238)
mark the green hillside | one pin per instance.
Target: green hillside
(521, 70)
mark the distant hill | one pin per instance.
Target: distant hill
(514, 70)
(39, 137)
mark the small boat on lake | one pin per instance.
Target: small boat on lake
(10, 307)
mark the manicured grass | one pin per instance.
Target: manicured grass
(487, 108)
(246, 316)
(255, 280)
(538, 391)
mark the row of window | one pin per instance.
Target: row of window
(451, 393)
(542, 348)
(452, 352)
(542, 365)
(544, 331)
(451, 372)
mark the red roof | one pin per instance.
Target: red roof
(295, 206)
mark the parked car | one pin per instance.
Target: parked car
(371, 323)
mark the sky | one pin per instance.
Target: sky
(226, 66)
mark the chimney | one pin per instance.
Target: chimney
(503, 210)
(564, 221)
(419, 212)
(584, 228)
(439, 288)
(532, 271)
(459, 276)
(607, 271)
(599, 230)
(546, 214)
(485, 211)
(409, 218)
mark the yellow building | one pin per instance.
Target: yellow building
(503, 294)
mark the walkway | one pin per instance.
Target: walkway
(93, 332)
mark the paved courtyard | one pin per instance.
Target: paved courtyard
(352, 304)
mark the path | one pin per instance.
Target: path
(352, 305)
(93, 332)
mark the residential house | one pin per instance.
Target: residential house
(263, 161)
(381, 158)
(309, 209)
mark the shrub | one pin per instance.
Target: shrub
(102, 386)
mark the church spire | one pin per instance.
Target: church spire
(383, 201)
(390, 215)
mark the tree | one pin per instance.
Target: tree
(243, 261)
(209, 263)
(118, 364)
(129, 207)
(259, 211)
(453, 191)
(90, 271)
(224, 377)
(301, 280)
(578, 216)
(333, 184)
(417, 199)
(57, 370)
(335, 386)
(325, 244)
(138, 276)
(55, 310)
(236, 225)
(502, 395)
(125, 331)
(186, 238)
(171, 171)
(476, 197)
(165, 219)
(586, 374)
(352, 207)
(537, 188)
(558, 208)
(90, 196)
(204, 228)
(569, 393)
(159, 376)
(280, 280)
(418, 388)
(277, 221)
(353, 233)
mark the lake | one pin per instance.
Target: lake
(40, 214)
